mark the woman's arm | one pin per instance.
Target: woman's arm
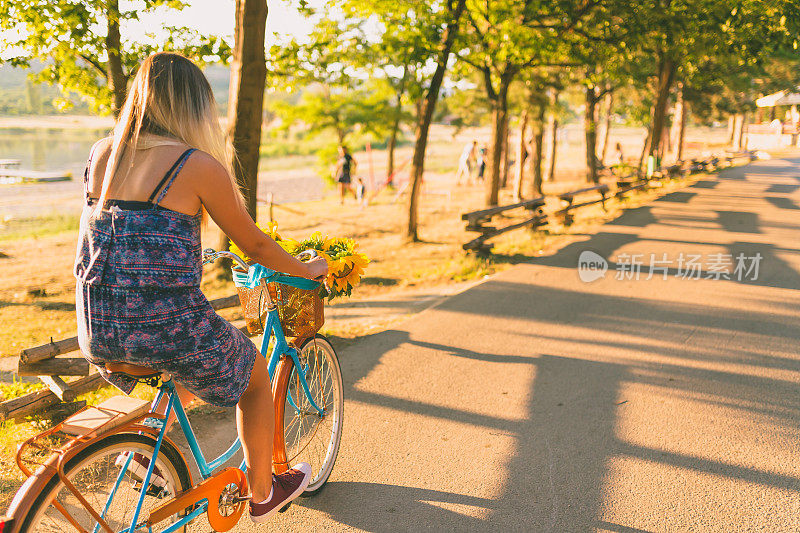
(225, 207)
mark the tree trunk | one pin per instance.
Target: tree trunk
(609, 104)
(736, 141)
(731, 128)
(646, 146)
(522, 156)
(739, 141)
(743, 133)
(538, 145)
(506, 157)
(678, 124)
(246, 98)
(666, 75)
(398, 113)
(499, 124)
(665, 146)
(424, 120)
(685, 110)
(590, 131)
(553, 128)
(117, 81)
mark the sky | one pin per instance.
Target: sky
(217, 16)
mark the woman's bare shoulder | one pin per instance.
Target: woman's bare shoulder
(203, 163)
(102, 147)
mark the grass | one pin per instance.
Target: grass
(18, 388)
(34, 228)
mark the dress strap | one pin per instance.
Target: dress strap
(169, 177)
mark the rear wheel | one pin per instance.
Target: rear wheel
(310, 437)
(95, 471)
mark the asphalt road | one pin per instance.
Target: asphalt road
(538, 402)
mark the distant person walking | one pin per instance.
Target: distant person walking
(481, 163)
(466, 162)
(619, 159)
(345, 168)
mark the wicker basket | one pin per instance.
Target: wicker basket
(301, 311)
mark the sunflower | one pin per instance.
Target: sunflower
(345, 264)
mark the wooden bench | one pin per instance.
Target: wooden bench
(568, 199)
(476, 221)
(673, 171)
(737, 154)
(630, 183)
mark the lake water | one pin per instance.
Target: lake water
(68, 149)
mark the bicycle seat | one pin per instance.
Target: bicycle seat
(135, 371)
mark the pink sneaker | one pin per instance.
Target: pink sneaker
(285, 488)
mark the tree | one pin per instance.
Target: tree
(537, 85)
(684, 35)
(342, 110)
(245, 103)
(556, 109)
(506, 37)
(400, 55)
(452, 12)
(334, 70)
(83, 48)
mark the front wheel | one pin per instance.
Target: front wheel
(103, 476)
(308, 436)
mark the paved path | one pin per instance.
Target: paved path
(537, 402)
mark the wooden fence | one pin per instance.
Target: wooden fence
(477, 220)
(58, 399)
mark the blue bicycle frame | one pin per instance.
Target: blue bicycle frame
(272, 330)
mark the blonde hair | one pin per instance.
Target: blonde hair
(169, 102)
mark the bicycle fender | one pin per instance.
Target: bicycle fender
(28, 493)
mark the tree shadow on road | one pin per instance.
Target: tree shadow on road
(560, 472)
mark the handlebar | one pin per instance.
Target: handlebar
(210, 255)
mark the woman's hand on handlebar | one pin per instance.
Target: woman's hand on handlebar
(317, 268)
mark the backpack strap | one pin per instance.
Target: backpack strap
(168, 178)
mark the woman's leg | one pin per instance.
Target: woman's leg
(255, 421)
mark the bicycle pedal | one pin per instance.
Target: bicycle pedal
(154, 423)
(285, 508)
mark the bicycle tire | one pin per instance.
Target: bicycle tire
(301, 429)
(169, 461)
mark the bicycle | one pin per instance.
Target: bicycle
(87, 483)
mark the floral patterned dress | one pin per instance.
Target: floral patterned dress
(138, 300)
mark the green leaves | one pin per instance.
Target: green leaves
(69, 37)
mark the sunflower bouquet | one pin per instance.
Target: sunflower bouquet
(345, 263)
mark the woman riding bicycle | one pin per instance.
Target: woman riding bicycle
(138, 265)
